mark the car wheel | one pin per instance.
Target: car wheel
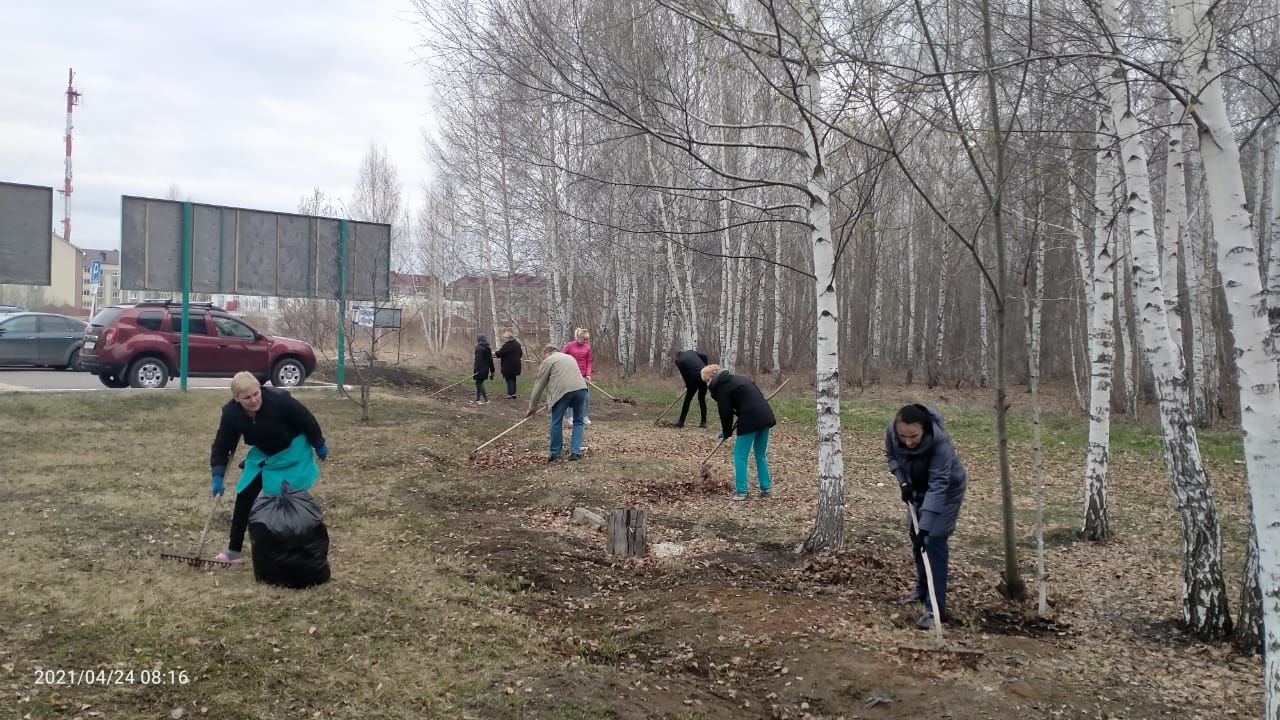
(73, 363)
(288, 373)
(148, 372)
(112, 381)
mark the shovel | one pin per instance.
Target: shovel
(194, 560)
(627, 400)
(928, 576)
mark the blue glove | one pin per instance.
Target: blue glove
(217, 485)
(322, 452)
(720, 436)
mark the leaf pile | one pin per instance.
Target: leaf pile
(667, 492)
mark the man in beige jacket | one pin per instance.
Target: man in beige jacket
(562, 381)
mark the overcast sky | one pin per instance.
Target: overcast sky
(239, 102)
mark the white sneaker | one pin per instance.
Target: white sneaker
(586, 420)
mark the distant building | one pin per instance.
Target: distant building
(521, 300)
(109, 284)
(63, 291)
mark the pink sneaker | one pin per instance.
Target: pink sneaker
(229, 557)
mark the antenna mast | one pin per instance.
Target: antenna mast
(73, 99)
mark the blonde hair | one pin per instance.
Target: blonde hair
(709, 372)
(581, 334)
(243, 382)
(507, 335)
(548, 349)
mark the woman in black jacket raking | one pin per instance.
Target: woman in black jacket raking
(737, 395)
(690, 364)
(511, 356)
(482, 367)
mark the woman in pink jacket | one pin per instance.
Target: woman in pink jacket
(580, 349)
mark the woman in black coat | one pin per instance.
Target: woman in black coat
(690, 364)
(511, 355)
(737, 395)
(482, 368)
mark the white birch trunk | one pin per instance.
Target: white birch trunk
(758, 327)
(911, 307)
(725, 326)
(1256, 369)
(1033, 383)
(776, 351)
(940, 333)
(1194, 276)
(1097, 513)
(828, 527)
(1175, 223)
(874, 332)
(1205, 612)
(1273, 241)
(1085, 267)
(683, 300)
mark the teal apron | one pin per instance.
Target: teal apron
(294, 464)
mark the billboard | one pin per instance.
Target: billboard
(236, 251)
(26, 235)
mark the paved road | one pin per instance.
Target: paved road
(31, 380)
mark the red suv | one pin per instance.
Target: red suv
(139, 346)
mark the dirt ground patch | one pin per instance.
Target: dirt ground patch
(463, 589)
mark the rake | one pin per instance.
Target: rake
(673, 404)
(523, 420)
(194, 560)
(705, 472)
(626, 400)
(446, 387)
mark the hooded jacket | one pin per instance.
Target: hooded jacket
(737, 395)
(511, 356)
(482, 368)
(690, 363)
(935, 473)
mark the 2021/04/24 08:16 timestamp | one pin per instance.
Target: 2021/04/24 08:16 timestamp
(118, 676)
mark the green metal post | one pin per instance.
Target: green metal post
(342, 302)
(187, 222)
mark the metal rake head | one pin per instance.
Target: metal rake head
(196, 562)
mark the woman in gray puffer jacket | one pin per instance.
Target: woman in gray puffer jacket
(932, 480)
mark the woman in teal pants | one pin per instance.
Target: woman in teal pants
(737, 395)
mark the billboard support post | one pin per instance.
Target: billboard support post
(186, 292)
(343, 227)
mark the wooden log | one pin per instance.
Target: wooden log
(626, 532)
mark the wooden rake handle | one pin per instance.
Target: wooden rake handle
(606, 392)
(204, 534)
(446, 387)
(673, 404)
(735, 424)
(495, 437)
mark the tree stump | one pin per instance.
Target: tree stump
(626, 532)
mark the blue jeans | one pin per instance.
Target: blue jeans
(939, 551)
(744, 445)
(578, 401)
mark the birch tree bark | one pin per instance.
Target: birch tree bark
(940, 334)
(1097, 515)
(1273, 238)
(828, 527)
(1205, 612)
(1257, 375)
(910, 361)
(1175, 222)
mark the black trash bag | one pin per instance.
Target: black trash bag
(290, 541)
